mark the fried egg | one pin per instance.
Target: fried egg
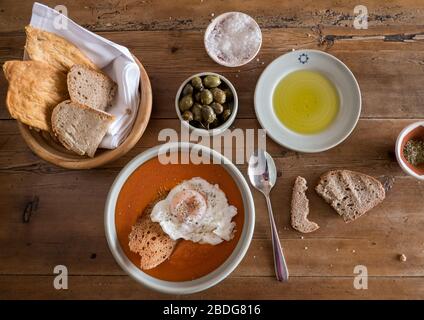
(197, 211)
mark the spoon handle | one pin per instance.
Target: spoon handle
(281, 271)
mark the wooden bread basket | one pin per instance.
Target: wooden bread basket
(47, 148)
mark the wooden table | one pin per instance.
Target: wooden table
(67, 225)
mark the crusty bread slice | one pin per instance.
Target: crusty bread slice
(35, 88)
(350, 193)
(300, 208)
(149, 241)
(90, 87)
(80, 128)
(57, 51)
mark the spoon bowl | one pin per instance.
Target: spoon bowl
(262, 170)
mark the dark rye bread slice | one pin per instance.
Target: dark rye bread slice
(90, 87)
(300, 208)
(80, 128)
(350, 193)
(149, 241)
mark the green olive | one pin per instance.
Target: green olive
(197, 97)
(226, 114)
(206, 97)
(186, 102)
(228, 94)
(211, 81)
(188, 89)
(208, 114)
(197, 83)
(217, 107)
(197, 112)
(187, 116)
(218, 95)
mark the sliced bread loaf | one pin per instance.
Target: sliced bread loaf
(90, 87)
(149, 241)
(300, 208)
(350, 193)
(80, 128)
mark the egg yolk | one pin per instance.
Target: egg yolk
(188, 205)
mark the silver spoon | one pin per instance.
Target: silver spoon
(263, 174)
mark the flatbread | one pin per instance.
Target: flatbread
(55, 50)
(35, 88)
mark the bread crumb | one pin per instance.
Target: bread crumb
(402, 258)
(337, 249)
(306, 248)
(302, 237)
(353, 251)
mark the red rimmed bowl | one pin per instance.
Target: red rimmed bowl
(413, 131)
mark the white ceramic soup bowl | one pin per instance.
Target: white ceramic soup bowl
(184, 287)
(333, 69)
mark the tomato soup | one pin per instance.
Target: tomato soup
(189, 260)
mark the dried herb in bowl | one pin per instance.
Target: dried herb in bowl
(414, 152)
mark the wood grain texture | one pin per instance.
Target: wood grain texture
(189, 14)
(388, 92)
(53, 216)
(244, 288)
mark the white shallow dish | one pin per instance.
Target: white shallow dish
(402, 138)
(184, 287)
(218, 130)
(331, 67)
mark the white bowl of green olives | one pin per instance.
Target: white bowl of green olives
(206, 103)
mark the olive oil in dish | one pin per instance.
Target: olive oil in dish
(306, 102)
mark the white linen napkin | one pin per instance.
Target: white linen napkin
(115, 60)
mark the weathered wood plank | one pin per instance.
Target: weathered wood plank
(388, 92)
(365, 145)
(186, 14)
(68, 225)
(86, 253)
(123, 287)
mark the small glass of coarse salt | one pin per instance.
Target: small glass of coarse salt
(233, 39)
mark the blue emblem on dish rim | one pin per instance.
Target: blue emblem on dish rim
(303, 58)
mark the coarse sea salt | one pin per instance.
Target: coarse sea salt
(233, 39)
